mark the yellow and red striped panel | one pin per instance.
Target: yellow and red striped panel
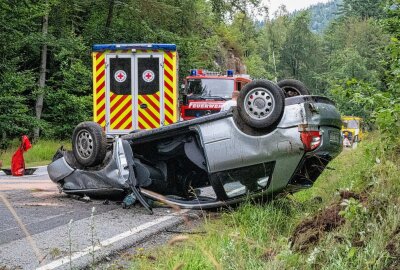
(170, 93)
(149, 117)
(99, 88)
(120, 112)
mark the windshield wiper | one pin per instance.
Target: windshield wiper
(217, 97)
(206, 97)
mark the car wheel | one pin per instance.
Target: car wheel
(89, 144)
(261, 104)
(293, 88)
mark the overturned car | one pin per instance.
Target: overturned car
(275, 140)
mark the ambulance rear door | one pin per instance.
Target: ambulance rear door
(150, 90)
(134, 92)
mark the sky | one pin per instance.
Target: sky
(291, 5)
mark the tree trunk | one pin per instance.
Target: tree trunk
(42, 76)
(3, 139)
(109, 17)
(276, 73)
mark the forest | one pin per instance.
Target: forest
(45, 64)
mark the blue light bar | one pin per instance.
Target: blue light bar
(193, 72)
(136, 46)
(229, 73)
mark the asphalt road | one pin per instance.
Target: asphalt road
(49, 242)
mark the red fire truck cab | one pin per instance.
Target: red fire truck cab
(205, 92)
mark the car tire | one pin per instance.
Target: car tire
(89, 144)
(260, 104)
(293, 88)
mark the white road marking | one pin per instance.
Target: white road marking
(107, 242)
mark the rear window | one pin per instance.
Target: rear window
(240, 181)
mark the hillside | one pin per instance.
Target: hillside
(322, 14)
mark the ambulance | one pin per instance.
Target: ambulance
(134, 86)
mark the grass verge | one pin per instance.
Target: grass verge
(361, 196)
(41, 152)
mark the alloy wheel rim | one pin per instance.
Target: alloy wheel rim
(84, 142)
(259, 103)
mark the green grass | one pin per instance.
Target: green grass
(41, 152)
(257, 236)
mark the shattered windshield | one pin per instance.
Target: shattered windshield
(210, 88)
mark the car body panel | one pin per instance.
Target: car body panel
(227, 147)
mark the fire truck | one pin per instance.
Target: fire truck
(205, 92)
(135, 86)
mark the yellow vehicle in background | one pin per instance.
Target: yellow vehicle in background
(352, 128)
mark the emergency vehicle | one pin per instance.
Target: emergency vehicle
(134, 86)
(352, 128)
(206, 91)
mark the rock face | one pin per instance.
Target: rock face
(235, 63)
(227, 59)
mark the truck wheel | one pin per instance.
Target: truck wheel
(89, 144)
(293, 88)
(260, 104)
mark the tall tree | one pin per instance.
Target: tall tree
(42, 76)
(354, 49)
(362, 8)
(17, 30)
(110, 15)
(271, 40)
(300, 54)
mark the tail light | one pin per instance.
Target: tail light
(310, 136)
(311, 139)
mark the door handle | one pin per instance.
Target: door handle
(143, 106)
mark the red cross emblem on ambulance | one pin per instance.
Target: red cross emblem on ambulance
(148, 75)
(120, 76)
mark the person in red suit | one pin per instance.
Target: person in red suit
(17, 161)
